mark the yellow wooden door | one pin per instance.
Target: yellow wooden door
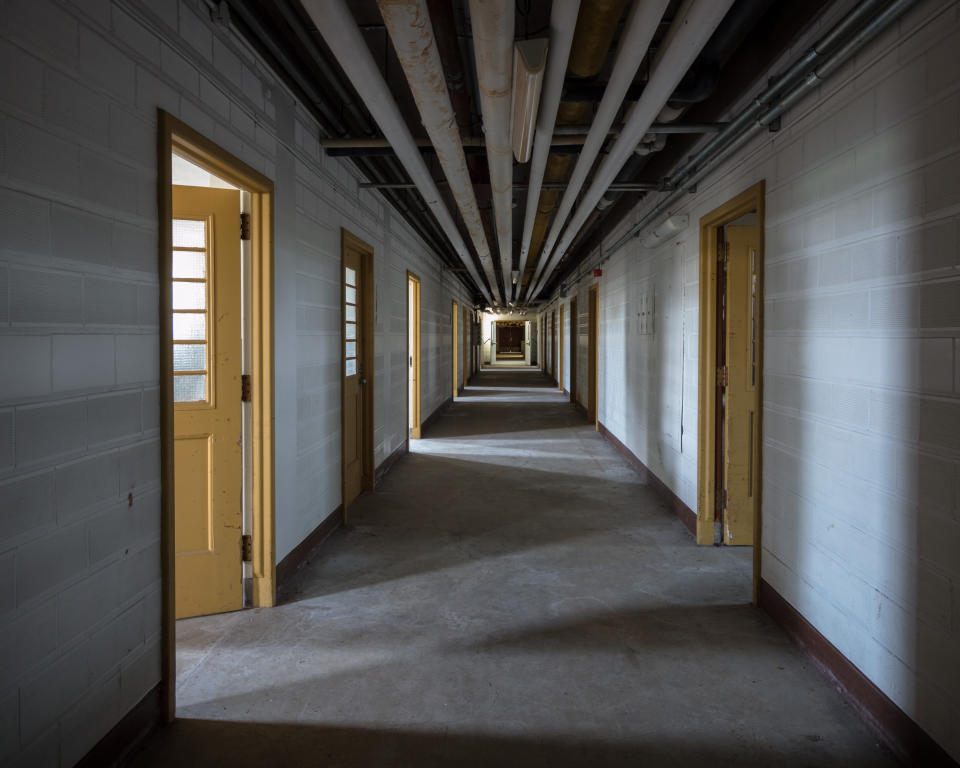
(353, 375)
(740, 422)
(207, 395)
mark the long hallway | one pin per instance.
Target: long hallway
(510, 595)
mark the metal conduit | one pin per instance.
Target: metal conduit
(810, 74)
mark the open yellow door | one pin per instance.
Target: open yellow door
(207, 400)
(741, 424)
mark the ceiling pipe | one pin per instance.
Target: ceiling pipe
(596, 27)
(409, 26)
(493, 22)
(563, 20)
(640, 27)
(688, 34)
(343, 37)
(861, 25)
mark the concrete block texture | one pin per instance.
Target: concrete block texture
(862, 375)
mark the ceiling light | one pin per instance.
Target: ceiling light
(515, 276)
(529, 60)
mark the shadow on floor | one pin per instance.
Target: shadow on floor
(242, 744)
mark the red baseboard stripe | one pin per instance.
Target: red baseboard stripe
(907, 739)
(687, 516)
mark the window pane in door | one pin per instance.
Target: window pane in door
(351, 314)
(351, 295)
(350, 276)
(190, 264)
(189, 357)
(189, 326)
(188, 233)
(351, 330)
(351, 367)
(189, 389)
(189, 295)
(351, 349)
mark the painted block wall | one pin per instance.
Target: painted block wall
(861, 461)
(79, 401)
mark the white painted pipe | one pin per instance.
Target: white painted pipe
(563, 20)
(341, 33)
(641, 25)
(410, 28)
(492, 22)
(690, 31)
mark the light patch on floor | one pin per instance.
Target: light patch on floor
(510, 595)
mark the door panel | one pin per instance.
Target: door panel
(455, 353)
(208, 467)
(592, 338)
(740, 422)
(353, 375)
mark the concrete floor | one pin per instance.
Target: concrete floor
(511, 595)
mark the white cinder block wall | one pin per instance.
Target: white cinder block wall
(79, 431)
(861, 528)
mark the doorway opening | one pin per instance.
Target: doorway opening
(356, 433)
(574, 334)
(454, 354)
(560, 352)
(593, 342)
(510, 340)
(731, 373)
(413, 355)
(216, 385)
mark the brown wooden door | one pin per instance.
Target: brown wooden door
(353, 374)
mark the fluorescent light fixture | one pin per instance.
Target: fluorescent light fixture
(529, 60)
(666, 228)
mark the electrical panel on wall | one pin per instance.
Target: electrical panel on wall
(646, 316)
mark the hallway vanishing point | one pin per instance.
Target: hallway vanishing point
(510, 595)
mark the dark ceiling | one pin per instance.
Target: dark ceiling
(748, 41)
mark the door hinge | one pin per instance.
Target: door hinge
(245, 393)
(723, 252)
(244, 226)
(723, 376)
(246, 548)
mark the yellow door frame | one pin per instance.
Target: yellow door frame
(414, 282)
(454, 351)
(593, 355)
(174, 135)
(560, 352)
(574, 333)
(749, 200)
(366, 339)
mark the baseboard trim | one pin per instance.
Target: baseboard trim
(433, 417)
(388, 462)
(127, 734)
(300, 554)
(687, 516)
(900, 732)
